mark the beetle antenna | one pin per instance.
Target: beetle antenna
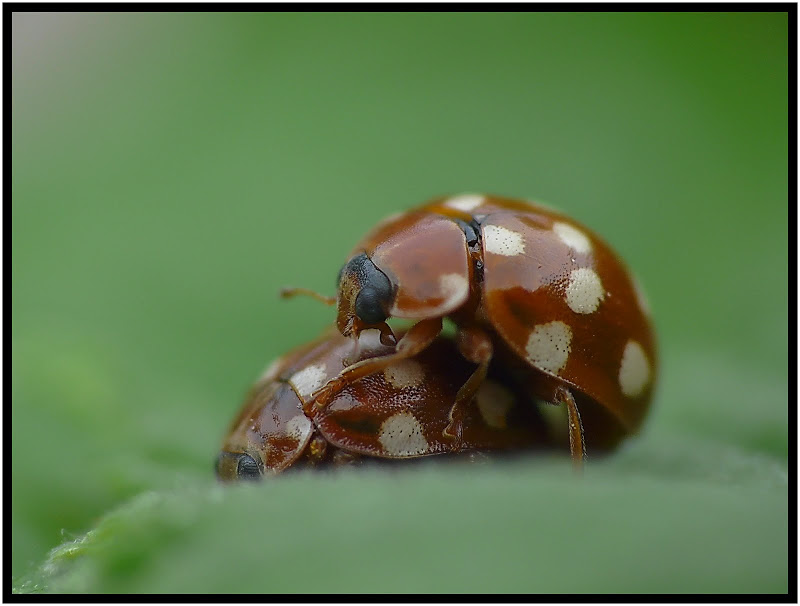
(287, 293)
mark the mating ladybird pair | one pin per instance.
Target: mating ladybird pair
(539, 301)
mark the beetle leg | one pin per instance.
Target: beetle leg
(342, 457)
(316, 449)
(287, 293)
(413, 342)
(476, 346)
(577, 446)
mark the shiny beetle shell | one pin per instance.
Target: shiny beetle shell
(397, 414)
(541, 285)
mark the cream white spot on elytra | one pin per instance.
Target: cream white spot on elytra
(549, 345)
(298, 427)
(369, 340)
(641, 297)
(308, 380)
(585, 291)
(271, 371)
(572, 237)
(404, 374)
(634, 370)
(454, 289)
(494, 402)
(502, 241)
(465, 202)
(401, 436)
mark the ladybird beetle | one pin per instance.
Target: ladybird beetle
(399, 413)
(516, 278)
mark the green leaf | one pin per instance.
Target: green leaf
(651, 520)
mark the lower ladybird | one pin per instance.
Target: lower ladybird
(400, 413)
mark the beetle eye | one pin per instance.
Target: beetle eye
(247, 468)
(368, 306)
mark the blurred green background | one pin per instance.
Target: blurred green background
(171, 172)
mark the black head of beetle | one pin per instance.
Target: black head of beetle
(365, 296)
(237, 466)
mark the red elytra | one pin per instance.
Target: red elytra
(399, 413)
(520, 281)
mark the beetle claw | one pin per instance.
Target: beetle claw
(453, 432)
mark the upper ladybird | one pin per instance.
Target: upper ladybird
(520, 281)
